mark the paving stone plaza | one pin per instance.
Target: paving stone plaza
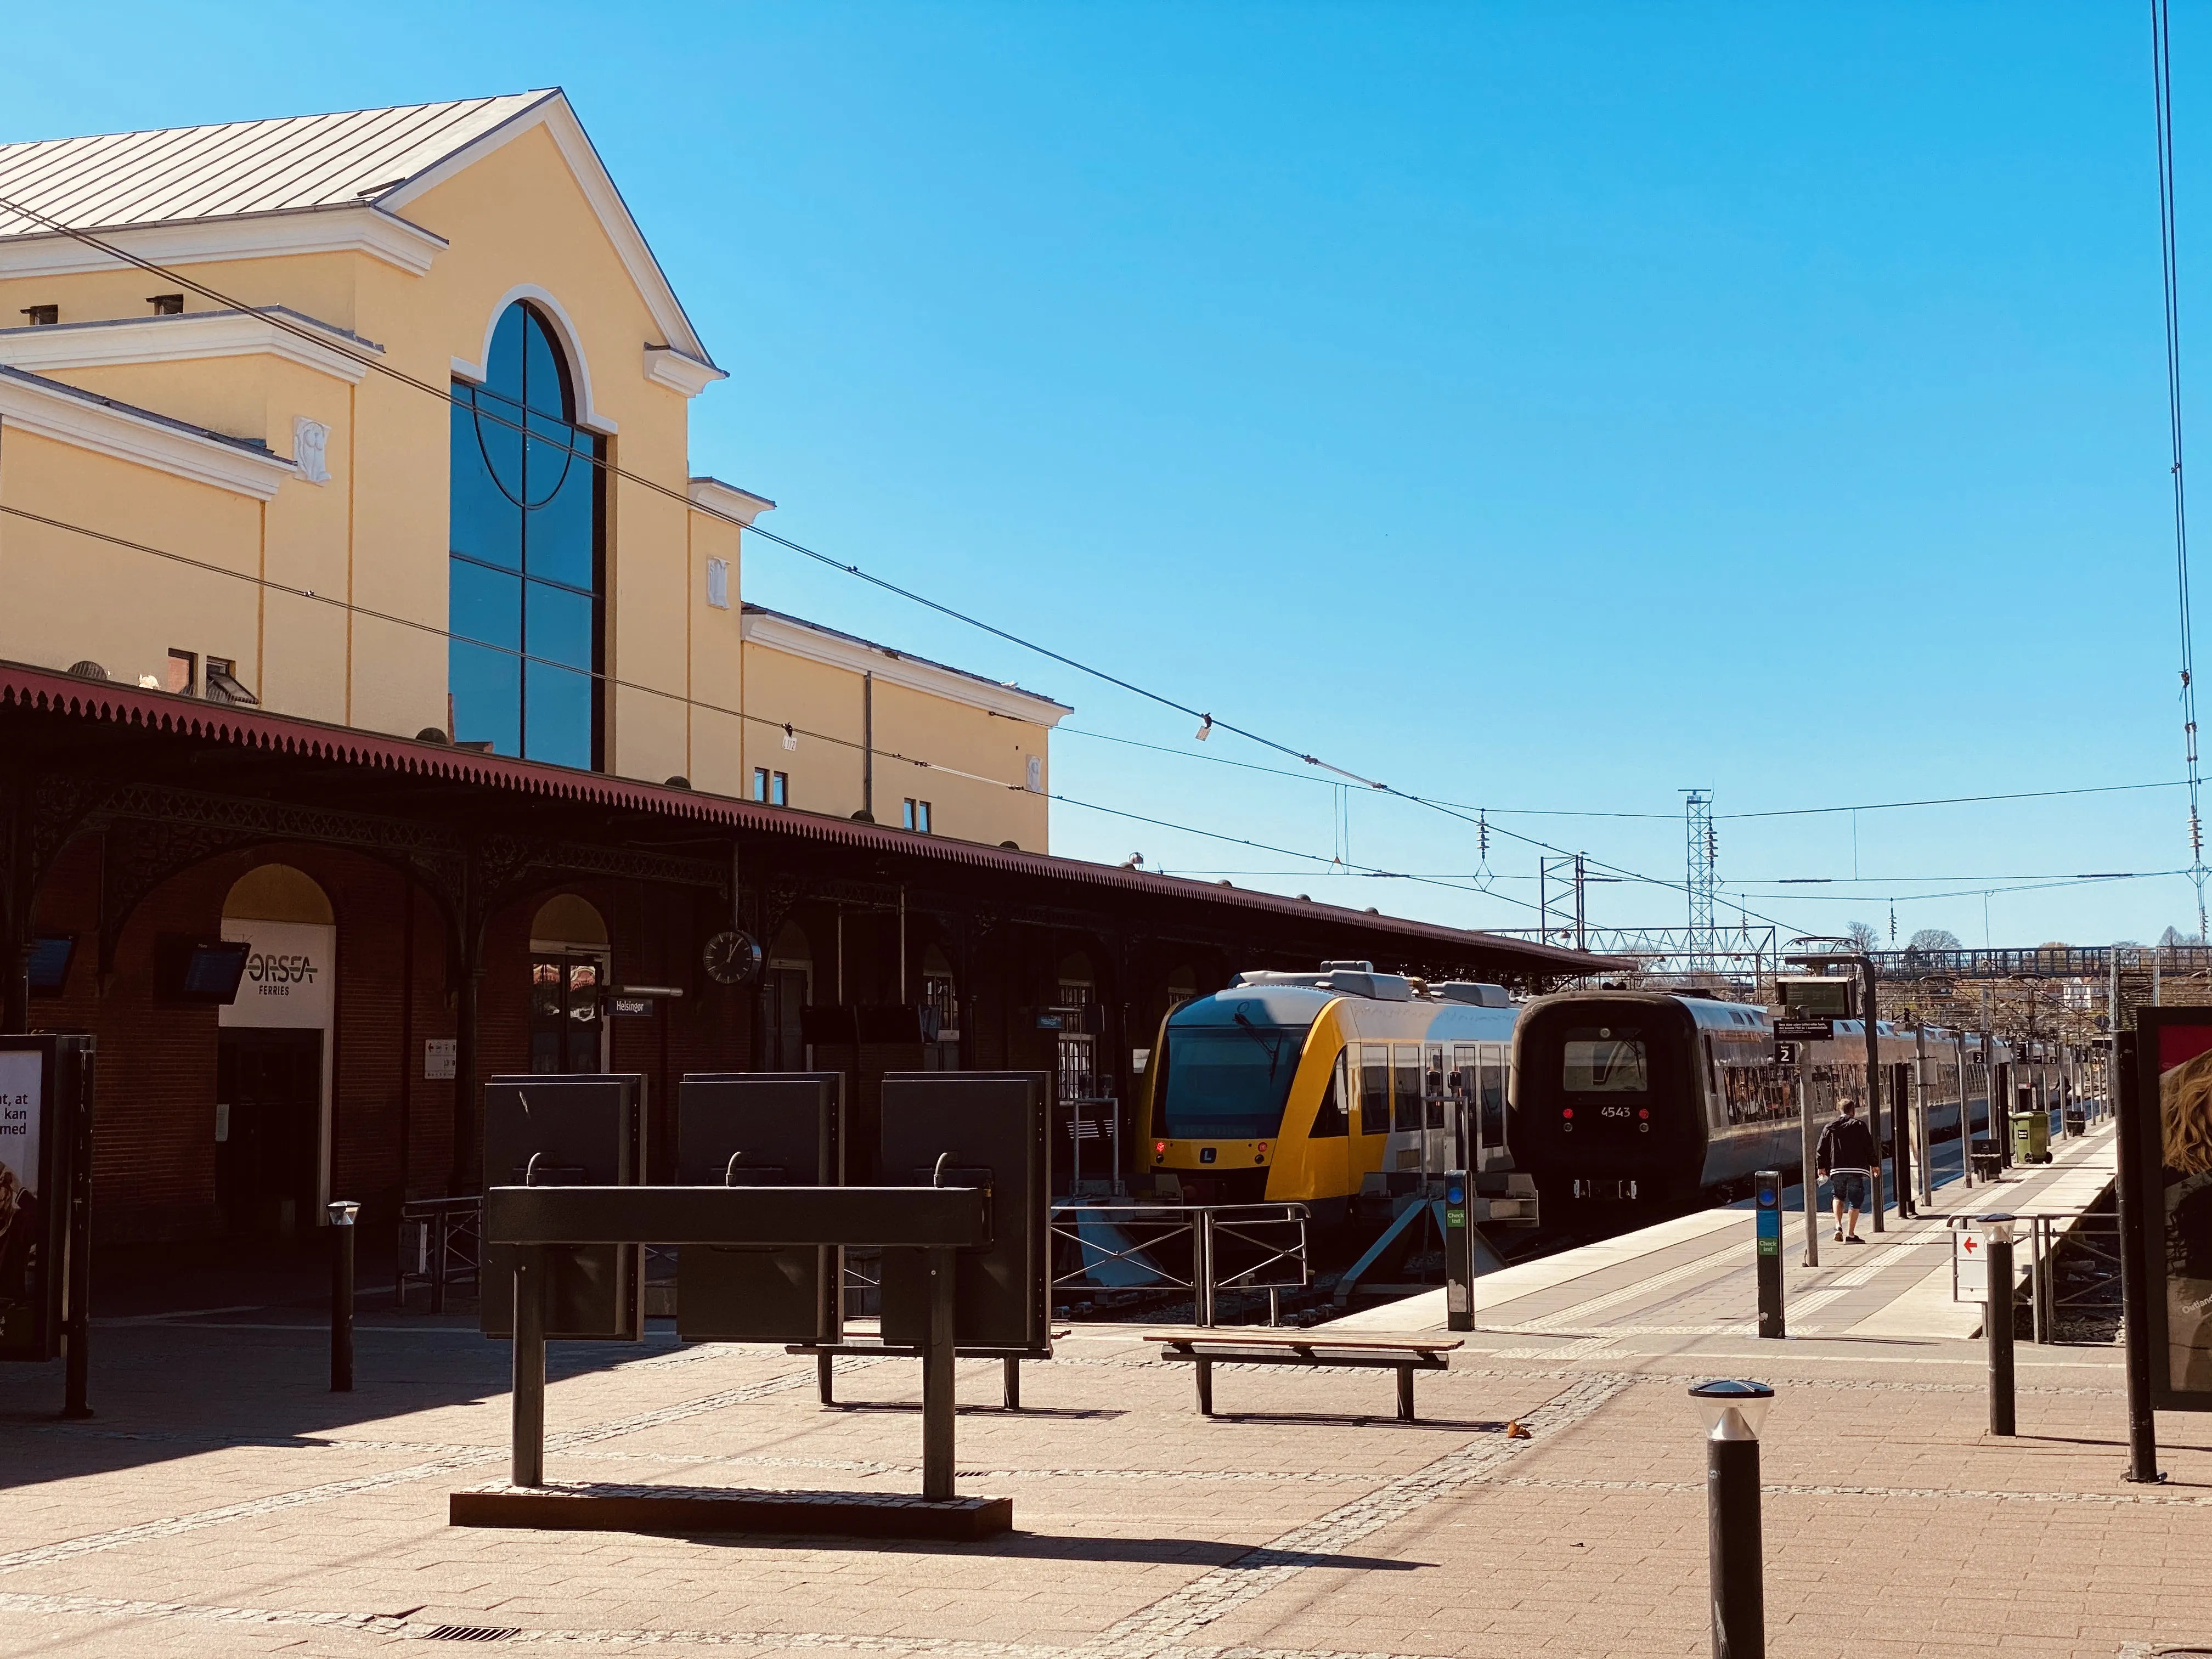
(223, 1502)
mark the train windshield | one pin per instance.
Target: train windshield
(1602, 1059)
(1228, 1082)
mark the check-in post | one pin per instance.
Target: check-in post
(759, 1129)
(575, 1130)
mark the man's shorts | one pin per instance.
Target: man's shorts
(1849, 1190)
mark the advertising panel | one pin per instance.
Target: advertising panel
(2173, 1183)
(34, 1156)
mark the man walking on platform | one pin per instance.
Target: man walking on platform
(1846, 1157)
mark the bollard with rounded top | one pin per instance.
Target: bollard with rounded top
(342, 1213)
(1732, 1412)
(1997, 1318)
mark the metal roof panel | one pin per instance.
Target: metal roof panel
(284, 165)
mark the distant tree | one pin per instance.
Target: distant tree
(2173, 936)
(1864, 936)
(1932, 939)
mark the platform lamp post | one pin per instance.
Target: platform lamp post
(1733, 1413)
(1869, 1015)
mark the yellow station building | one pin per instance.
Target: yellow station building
(396, 437)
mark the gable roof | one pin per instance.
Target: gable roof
(378, 159)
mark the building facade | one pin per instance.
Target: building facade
(367, 627)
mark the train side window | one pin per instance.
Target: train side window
(1330, 1122)
(1405, 1091)
(1432, 1088)
(1494, 1095)
(1374, 1088)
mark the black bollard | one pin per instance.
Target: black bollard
(1735, 1562)
(1997, 1322)
(341, 1214)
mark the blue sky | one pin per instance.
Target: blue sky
(1538, 407)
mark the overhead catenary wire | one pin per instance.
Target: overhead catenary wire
(1657, 817)
(374, 361)
(2162, 96)
(332, 602)
(308, 594)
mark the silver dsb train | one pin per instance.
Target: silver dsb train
(1667, 1098)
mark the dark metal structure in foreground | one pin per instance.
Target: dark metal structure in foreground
(928, 1224)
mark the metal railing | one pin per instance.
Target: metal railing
(2090, 1241)
(2085, 1241)
(1229, 1247)
(438, 1244)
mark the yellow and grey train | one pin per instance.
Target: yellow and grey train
(1342, 1088)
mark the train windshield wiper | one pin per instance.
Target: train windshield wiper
(1272, 1042)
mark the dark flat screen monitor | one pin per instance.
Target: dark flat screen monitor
(50, 963)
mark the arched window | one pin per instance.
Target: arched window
(528, 570)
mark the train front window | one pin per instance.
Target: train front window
(1229, 1082)
(1604, 1059)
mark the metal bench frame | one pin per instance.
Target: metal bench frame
(1206, 1349)
(936, 1220)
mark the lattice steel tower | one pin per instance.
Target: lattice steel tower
(1704, 877)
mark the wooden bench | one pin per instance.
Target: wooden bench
(1403, 1354)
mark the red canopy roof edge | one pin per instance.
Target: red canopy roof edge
(50, 692)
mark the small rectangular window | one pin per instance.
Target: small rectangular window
(718, 584)
(1406, 1086)
(778, 789)
(185, 673)
(43, 316)
(1374, 1088)
(916, 816)
(167, 305)
(760, 783)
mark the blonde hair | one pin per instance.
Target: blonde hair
(2185, 1098)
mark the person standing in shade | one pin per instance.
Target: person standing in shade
(1845, 1158)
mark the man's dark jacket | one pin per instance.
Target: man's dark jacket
(1846, 1144)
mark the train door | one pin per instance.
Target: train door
(1436, 1112)
(1466, 1125)
(1490, 1149)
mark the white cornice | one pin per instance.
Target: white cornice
(253, 236)
(667, 365)
(857, 656)
(553, 113)
(192, 337)
(129, 434)
(728, 499)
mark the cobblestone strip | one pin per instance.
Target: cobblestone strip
(1167, 1622)
(430, 1468)
(2181, 1500)
(386, 1628)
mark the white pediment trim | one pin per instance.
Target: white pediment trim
(553, 113)
(860, 657)
(728, 499)
(250, 236)
(126, 434)
(191, 337)
(667, 365)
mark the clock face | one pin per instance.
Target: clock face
(732, 958)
